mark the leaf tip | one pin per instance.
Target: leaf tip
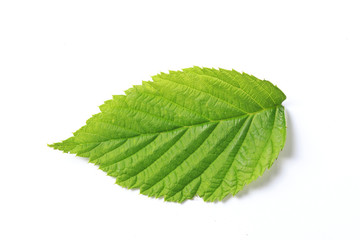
(51, 145)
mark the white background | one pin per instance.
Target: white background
(59, 60)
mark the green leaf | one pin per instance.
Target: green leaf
(196, 132)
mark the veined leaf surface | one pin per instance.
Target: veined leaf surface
(196, 132)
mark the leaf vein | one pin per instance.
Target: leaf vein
(211, 95)
(180, 162)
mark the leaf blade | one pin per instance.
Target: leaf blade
(199, 131)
